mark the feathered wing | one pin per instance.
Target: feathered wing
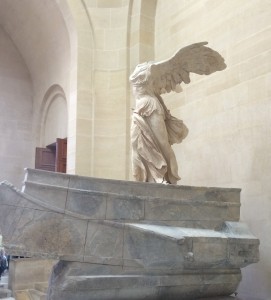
(196, 58)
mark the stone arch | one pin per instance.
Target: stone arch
(54, 116)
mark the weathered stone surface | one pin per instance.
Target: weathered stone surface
(72, 280)
(25, 273)
(116, 242)
(128, 188)
(54, 195)
(88, 203)
(119, 207)
(104, 240)
(101, 199)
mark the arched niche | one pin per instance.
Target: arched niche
(51, 153)
(54, 116)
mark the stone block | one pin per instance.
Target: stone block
(121, 208)
(125, 285)
(212, 253)
(54, 195)
(153, 250)
(37, 295)
(22, 295)
(117, 239)
(161, 209)
(41, 286)
(50, 178)
(25, 273)
(92, 205)
(72, 237)
(104, 240)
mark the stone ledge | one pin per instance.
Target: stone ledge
(123, 187)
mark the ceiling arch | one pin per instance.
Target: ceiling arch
(40, 34)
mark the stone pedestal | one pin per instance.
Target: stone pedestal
(25, 273)
(128, 240)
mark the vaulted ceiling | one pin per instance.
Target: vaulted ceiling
(38, 30)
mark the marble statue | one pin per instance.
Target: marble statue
(154, 129)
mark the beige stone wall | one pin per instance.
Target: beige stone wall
(109, 20)
(81, 95)
(41, 38)
(227, 113)
(49, 64)
(113, 36)
(16, 146)
(100, 126)
(88, 49)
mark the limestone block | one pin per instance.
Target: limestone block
(37, 270)
(41, 286)
(111, 172)
(101, 18)
(72, 237)
(156, 190)
(130, 285)
(119, 17)
(115, 39)
(122, 208)
(22, 295)
(82, 202)
(116, 125)
(104, 240)
(40, 191)
(106, 60)
(196, 248)
(208, 252)
(241, 251)
(12, 208)
(179, 210)
(44, 232)
(37, 295)
(205, 206)
(51, 178)
(152, 251)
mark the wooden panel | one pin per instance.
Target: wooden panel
(45, 159)
(61, 155)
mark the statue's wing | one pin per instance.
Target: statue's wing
(196, 58)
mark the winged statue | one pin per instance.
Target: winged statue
(153, 128)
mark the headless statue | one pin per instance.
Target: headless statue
(154, 129)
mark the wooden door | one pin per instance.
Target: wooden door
(53, 157)
(45, 159)
(61, 155)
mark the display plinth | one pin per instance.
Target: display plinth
(128, 240)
